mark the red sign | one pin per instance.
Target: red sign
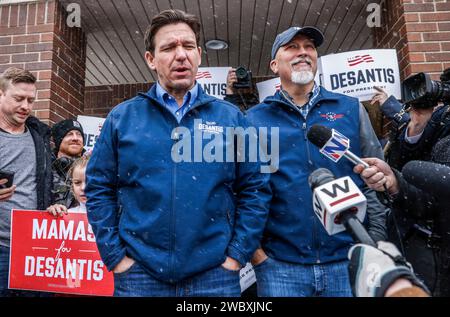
(56, 255)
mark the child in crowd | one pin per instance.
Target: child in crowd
(77, 175)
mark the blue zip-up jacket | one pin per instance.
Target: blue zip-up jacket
(293, 232)
(153, 197)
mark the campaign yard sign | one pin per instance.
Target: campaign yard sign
(92, 126)
(213, 80)
(355, 73)
(268, 88)
(56, 254)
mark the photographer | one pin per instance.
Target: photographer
(428, 124)
(392, 110)
(422, 217)
(240, 89)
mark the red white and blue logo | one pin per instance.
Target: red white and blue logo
(331, 116)
(358, 59)
(336, 146)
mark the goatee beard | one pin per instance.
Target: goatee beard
(302, 77)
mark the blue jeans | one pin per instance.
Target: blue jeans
(215, 282)
(4, 272)
(282, 279)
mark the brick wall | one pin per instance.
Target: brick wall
(35, 36)
(420, 32)
(99, 100)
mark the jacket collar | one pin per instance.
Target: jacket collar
(323, 95)
(202, 98)
(35, 124)
(279, 100)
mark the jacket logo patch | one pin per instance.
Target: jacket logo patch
(331, 116)
(212, 128)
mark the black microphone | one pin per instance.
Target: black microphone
(325, 201)
(432, 178)
(320, 135)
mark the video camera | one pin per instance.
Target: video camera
(244, 78)
(419, 91)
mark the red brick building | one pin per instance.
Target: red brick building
(89, 69)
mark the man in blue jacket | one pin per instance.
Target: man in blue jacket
(297, 256)
(170, 215)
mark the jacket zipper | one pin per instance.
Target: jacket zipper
(308, 152)
(172, 217)
(315, 241)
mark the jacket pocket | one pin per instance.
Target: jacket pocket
(263, 263)
(121, 274)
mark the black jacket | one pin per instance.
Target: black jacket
(44, 178)
(244, 101)
(424, 218)
(62, 193)
(434, 145)
(401, 152)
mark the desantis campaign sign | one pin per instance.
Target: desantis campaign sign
(213, 80)
(56, 254)
(92, 126)
(268, 88)
(355, 73)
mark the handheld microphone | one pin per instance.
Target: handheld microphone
(332, 144)
(339, 204)
(432, 178)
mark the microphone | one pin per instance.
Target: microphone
(432, 178)
(339, 204)
(335, 145)
(332, 144)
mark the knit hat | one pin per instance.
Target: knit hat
(60, 129)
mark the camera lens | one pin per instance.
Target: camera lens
(241, 73)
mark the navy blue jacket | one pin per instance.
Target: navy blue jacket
(293, 232)
(175, 217)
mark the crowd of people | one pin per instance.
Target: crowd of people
(169, 227)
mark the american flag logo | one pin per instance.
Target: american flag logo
(358, 59)
(201, 75)
(278, 87)
(331, 116)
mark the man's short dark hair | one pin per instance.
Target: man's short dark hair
(167, 17)
(15, 75)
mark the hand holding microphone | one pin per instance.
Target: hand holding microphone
(376, 173)
(378, 176)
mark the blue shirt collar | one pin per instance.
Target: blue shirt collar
(313, 94)
(190, 97)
